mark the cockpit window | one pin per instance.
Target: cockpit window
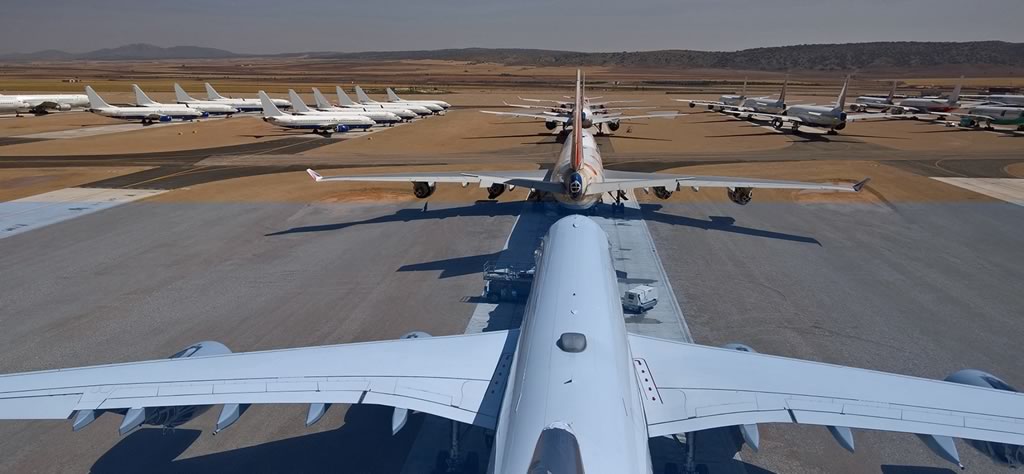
(557, 452)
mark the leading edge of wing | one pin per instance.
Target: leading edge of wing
(624, 180)
(437, 177)
(542, 116)
(724, 387)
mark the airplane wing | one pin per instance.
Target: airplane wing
(604, 118)
(547, 116)
(453, 377)
(700, 102)
(725, 387)
(784, 118)
(559, 102)
(534, 179)
(625, 180)
(859, 117)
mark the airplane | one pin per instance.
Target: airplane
(591, 117)
(365, 99)
(244, 105)
(865, 102)
(379, 116)
(570, 391)
(345, 101)
(392, 97)
(578, 179)
(759, 105)
(212, 108)
(830, 118)
(40, 104)
(148, 115)
(986, 116)
(927, 105)
(724, 100)
(323, 104)
(1008, 100)
(320, 124)
(182, 97)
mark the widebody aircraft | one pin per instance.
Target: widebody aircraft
(866, 102)
(570, 391)
(320, 124)
(759, 105)
(593, 114)
(829, 118)
(323, 104)
(212, 108)
(578, 179)
(1008, 100)
(379, 116)
(40, 104)
(345, 101)
(392, 97)
(242, 104)
(985, 116)
(145, 114)
(927, 105)
(365, 99)
(723, 100)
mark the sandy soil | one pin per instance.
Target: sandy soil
(1016, 170)
(16, 183)
(29, 124)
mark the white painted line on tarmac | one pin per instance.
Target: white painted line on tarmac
(41, 210)
(1010, 190)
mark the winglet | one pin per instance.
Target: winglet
(857, 187)
(313, 174)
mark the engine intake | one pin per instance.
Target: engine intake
(495, 190)
(422, 189)
(550, 125)
(613, 126)
(661, 192)
(741, 196)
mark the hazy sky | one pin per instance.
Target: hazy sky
(273, 26)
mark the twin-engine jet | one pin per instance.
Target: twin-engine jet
(323, 104)
(40, 104)
(433, 107)
(212, 108)
(379, 116)
(394, 98)
(399, 108)
(569, 392)
(148, 115)
(830, 118)
(324, 125)
(242, 104)
(578, 179)
(725, 100)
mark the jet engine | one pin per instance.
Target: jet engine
(662, 192)
(1009, 454)
(692, 105)
(341, 128)
(550, 125)
(63, 107)
(741, 196)
(857, 108)
(495, 190)
(613, 126)
(165, 118)
(205, 114)
(841, 126)
(422, 189)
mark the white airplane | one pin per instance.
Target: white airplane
(379, 116)
(41, 103)
(211, 108)
(830, 118)
(392, 97)
(985, 116)
(146, 114)
(320, 124)
(323, 104)
(578, 179)
(759, 105)
(723, 101)
(1007, 100)
(244, 105)
(182, 97)
(569, 392)
(865, 102)
(365, 99)
(345, 101)
(927, 105)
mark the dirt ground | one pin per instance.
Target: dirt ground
(16, 183)
(29, 124)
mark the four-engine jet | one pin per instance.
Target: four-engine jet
(146, 114)
(578, 179)
(569, 392)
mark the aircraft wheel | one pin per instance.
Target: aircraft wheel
(832, 132)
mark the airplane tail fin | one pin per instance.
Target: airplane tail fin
(577, 124)
(392, 97)
(343, 98)
(892, 92)
(95, 101)
(321, 100)
(212, 94)
(269, 109)
(140, 97)
(362, 96)
(743, 91)
(841, 100)
(180, 95)
(782, 95)
(955, 96)
(297, 104)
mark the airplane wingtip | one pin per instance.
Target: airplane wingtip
(313, 174)
(857, 187)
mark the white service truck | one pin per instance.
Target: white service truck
(640, 299)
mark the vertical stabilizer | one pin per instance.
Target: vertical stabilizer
(297, 104)
(892, 92)
(392, 97)
(841, 100)
(321, 100)
(782, 95)
(180, 95)
(743, 91)
(269, 109)
(141, 99)
(212, 94)
(955, 96)
(577, 124)
(362, 97)
(343, 98)
(95, 101)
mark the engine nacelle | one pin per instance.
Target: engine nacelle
(550, 125)
(692, 105)
(165, 118)
(739, 347)
(205, 114)
(422, 189)
(662, 192)
(415, 335)
(341, 128)
(613, 126)
(741, 196)
(1009, 454)
(495, 190)
(63, 107)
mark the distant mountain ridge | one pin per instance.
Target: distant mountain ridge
(848, 56)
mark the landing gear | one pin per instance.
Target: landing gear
(832, 131)
(795, 127)
(618, 196)
(452, 461)
(777, 123)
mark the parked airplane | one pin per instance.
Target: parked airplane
(759, 105)
(319, 124)
(365, 99)
(1008, 100)
(41, 103)
(323, 104)
(379, 116)
(578, 179)
(829, 118)
(925, 105)
(345, 101)
(986, 116)
(392, 97)
(723, 101)
(570, 391)
(591, 117)
(244, 105)
(865, 102)
(146, 114)
(211, 108)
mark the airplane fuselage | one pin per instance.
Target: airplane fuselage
(818, 116)
(565, 409)
(150, 114)
(994, 116)
(929, 105)
(29, 102)
(591, 171)
(765, 106)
